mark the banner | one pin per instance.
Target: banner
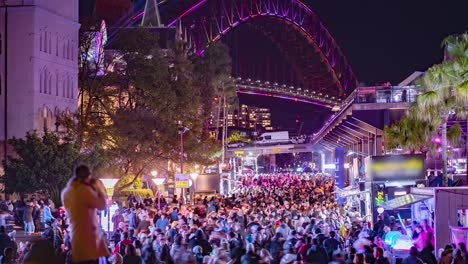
(397, 168)
(182, 180)
(339, 167)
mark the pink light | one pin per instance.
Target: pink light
(187, 12)
(285, 97)
(142, 12)
(138, 15)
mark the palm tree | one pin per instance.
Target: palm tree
(410, 134)
(446, 90)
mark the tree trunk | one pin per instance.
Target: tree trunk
(217, 118)
(444, 153)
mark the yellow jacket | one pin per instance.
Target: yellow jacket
(80, 202)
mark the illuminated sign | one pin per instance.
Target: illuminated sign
(397, 167)
(276, 150)
(379, 197)
(238, 152)
(182, 180)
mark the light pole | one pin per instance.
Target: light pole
(182, 130)
(194, 177)
(159, 182)
(109, 184)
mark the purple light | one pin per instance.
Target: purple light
(187, 12)
(284, 97)
(142, 12)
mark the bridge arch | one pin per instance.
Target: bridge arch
(210, 20)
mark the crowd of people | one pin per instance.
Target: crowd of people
(276, 218)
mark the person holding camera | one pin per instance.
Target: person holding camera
(81, 198)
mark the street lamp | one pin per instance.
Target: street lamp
(159, 182)
(154, 173)
(194, 177)
(109, 183)
(182, 130)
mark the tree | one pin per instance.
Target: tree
(131, 110)
(213, 71)
(410, 133)
(40, 164)
(237, 137)
(446, 90)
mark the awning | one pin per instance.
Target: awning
(403, 201)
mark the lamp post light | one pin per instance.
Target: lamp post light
(194, 177)
(109, 183)
(182, 130)
(159, 182)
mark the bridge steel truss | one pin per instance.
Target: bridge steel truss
(345, 130)
(209, 20)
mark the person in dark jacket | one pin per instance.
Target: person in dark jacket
(199, 240)
(131, 256)
(316, 254)
(58, 234)
(426, 254)
(250, 257)
(5, 240)
(413, 257)
(48, 233)
(276, 246)
(379, 256)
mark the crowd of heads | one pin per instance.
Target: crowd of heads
(273, 218)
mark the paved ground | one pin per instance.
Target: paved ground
(22, 237)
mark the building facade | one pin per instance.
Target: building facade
(248, 117)
(38, 64)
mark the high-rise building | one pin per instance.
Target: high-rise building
(38, 64)
(247, 117)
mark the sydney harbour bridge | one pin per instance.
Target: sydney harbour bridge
(281, 49)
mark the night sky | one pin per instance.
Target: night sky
(382, 40)
(387, 40)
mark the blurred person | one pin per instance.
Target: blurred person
(117, 218)
(250, 256)
(413, 257)
(5, 240)
(379, 256)
(131, 256)
(28, 218)
(82, 197)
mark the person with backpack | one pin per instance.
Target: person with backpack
(122, 245)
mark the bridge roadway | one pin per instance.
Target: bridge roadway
(357, 126)
(257, 150)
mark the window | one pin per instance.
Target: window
(63, 87)
(50, 84)
(50, 44)
(40, 40)
(56, 47)
(45, 42)
(68, 86)
(56, 84)
(1, 44)
(68, 49)
(40, 81)
(63, 49)
(44, 88)
(72, 88)
(72, 55)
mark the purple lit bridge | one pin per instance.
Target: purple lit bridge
(279, 41)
